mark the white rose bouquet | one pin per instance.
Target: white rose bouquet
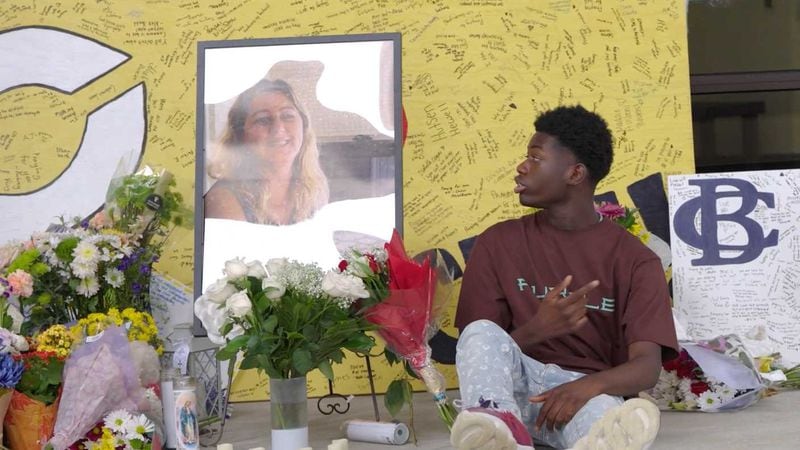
(287, 318)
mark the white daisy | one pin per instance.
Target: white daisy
(138, 427)
(708, 400)
(83, 269)
(725, 393)
(86, 252)
(115, 277)
(118, 421)
(87, 287)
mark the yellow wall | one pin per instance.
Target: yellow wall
(475, 74)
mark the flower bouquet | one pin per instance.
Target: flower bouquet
(100, 376)
(709, 375)
(90, 266)
(403, 304)
(281, 318)
(286, 320)
(31, 415)
(120, 429)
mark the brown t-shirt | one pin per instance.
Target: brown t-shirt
(514, 263)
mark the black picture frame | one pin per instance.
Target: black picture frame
(350, 87)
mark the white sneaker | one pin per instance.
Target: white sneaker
(632, 425)
(489, 429)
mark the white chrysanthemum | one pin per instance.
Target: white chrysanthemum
(87, 287)
(126, 249)
(685, 388)
(114, 277)
(138, 427)
(708, 400)
(83, 269)
(725, 393)
(118, 421)
(668, 378)
(86, 252)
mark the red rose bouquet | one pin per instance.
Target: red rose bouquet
(403, 304)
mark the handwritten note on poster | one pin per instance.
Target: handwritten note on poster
(736, 256)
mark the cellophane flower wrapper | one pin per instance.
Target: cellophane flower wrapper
(99, 377)
(152, 182)
(410, 316)
(721, 374)
(28, 423)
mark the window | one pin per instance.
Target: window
(745, 83)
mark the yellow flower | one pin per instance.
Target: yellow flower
(56, 339)
(765, 363)
(107, 440)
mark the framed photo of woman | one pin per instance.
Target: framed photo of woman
(298, 149)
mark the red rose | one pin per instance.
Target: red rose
(342, 265)
(698, 387)
(373, 265)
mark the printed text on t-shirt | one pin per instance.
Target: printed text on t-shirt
(606, 304)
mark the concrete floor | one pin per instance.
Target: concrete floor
(772, 423)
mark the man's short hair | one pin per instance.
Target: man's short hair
(584, 132)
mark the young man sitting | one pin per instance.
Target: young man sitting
(562, 313)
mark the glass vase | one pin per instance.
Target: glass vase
(289, 413)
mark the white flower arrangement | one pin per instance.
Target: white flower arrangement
(303, 317)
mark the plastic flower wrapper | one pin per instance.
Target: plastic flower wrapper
(142, 203)
(711, 375)
(409, 316)
(99, 377)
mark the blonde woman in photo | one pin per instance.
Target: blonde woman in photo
(267, 168)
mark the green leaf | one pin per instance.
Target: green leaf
(391, 357)
(229, 351)
(269, 324)
(326, 369)
(360, 343)
(301, 361)
(395, 397)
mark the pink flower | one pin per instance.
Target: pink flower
(21, 283)
(99, 221)
(610, 210)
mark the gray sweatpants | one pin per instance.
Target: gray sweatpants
(491, 366)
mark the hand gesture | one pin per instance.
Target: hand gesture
(557, 315)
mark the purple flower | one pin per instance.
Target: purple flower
(10, 371)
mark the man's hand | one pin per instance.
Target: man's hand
(556, 315)
(560, 404)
